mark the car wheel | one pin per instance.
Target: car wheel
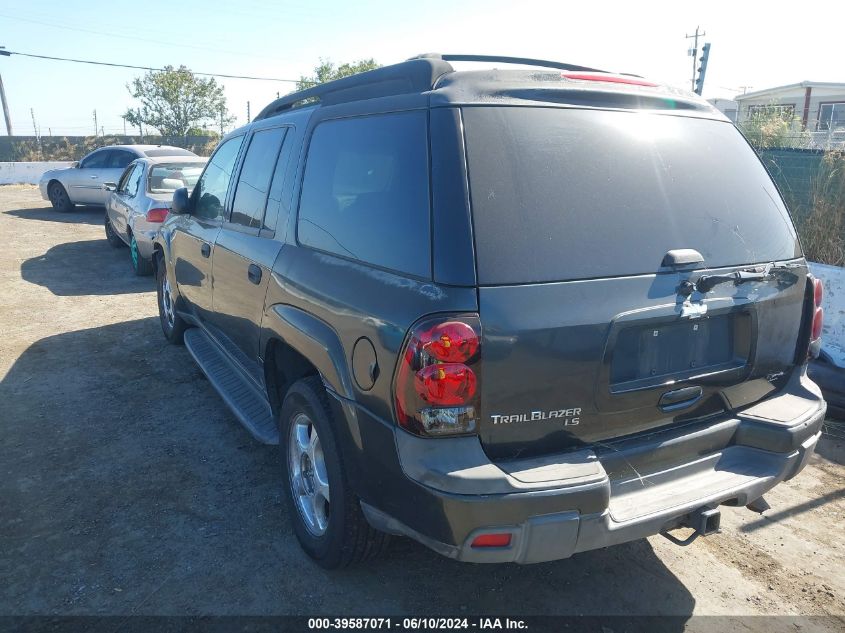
(142, 267)
(59, 198)
(325, 512)
(111, 235)
(172, 324)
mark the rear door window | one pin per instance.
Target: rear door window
(124, 178)
(134, 181)
(256, 174)
(97, 160)
(561, 194)
(365, 193)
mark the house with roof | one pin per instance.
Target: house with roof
(819, 106)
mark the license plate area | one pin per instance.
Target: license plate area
(660, 351)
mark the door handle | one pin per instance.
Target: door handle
(254, 274)
(206, 249)
(93, 177)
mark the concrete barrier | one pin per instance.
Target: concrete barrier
(27, 173)
(833, 335)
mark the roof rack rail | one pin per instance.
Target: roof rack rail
(415, 75)
(525, 61)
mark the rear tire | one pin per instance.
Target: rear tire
(59, 199)
(343, 537)
(111, 235)
(142, 267)
(172, 325)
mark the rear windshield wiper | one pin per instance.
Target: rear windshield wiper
(706, 283)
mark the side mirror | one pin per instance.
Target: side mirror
(110, 186)
(181, 202)
(74, 164)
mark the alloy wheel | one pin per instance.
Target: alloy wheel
(309, 476)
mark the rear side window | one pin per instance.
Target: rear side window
(121, 184)
(365, 192)
(561, 194)
(134, 180)
(256, 173)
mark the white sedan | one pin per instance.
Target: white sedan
(140, 200)
(82, 182)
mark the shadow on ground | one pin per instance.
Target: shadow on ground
(128, 488)
(80, 215)
(66, 270)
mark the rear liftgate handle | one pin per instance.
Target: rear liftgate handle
(680, 398)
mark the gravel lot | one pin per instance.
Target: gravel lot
(126, 487)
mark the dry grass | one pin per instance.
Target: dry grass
(822, 227)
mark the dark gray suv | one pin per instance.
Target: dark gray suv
(512, 314)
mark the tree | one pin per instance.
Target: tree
(327, 71)
(174, 101)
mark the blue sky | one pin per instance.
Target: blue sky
(759, 46)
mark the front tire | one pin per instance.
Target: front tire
(59, 199)
(325, 512)
(111, 235)
(172, 325)
(142, 267)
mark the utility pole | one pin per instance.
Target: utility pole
(694, 54)
(5, 108)
(247, 112)
(96, 127)
(140, 129)
(3, 98)
(37, 134)
(124, 125)
(222, 114)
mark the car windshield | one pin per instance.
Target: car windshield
(168, 177)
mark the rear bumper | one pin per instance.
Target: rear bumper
(555, 506)
(145, 239)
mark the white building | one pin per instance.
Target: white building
(728, 107)
(819, 106)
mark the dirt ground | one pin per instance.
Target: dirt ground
(126, 487)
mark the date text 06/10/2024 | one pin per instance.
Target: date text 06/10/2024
(416, 624)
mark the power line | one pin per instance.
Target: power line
(115, 65)
(125, 36)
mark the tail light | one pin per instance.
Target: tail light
(157, 215)
(437, 384)
(817, 322)
(818, 311)
(607, 77)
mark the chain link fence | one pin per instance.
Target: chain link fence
(52, 148)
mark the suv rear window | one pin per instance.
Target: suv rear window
(365, 191)
(561, 194)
